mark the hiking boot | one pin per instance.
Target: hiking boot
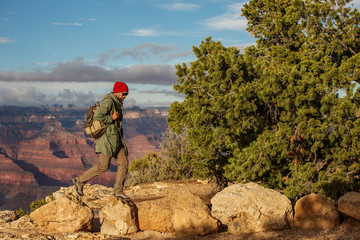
(78, 188)
(122, 196)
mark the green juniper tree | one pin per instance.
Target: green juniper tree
(284, 113)
(211, 86)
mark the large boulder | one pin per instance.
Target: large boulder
(349, 205)
(248, 208)
(118, 218)
(315, 212)
(63, 215)
(175, 211)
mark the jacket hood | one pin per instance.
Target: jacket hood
(112, 95)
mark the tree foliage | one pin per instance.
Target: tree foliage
(212, 86)
(285, 112)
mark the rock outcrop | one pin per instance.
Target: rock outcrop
(96, 196)
(176, 211)
(8, 216)
(63, 215)
(119, 217)
(349, 205)
(248, 208)
(175, 205)
(315, 212)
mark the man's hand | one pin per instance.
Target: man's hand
(115, 116)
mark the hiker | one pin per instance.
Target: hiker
(111, 143)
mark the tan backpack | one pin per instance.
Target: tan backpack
(94, 128)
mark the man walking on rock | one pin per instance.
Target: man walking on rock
(111, 143)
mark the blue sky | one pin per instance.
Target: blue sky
(72, 51)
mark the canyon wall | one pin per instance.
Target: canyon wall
(44, 148)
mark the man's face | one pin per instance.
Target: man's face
(121, 95)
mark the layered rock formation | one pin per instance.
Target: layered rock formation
(55, 156)
(48, 146)
(12, 174)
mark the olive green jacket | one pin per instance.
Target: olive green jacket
(112, 140)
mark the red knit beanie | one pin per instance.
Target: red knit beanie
(120, 87)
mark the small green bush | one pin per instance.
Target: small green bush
(36, 204)
(180, 154)
(33, 206)
(175, 161)
(150, 168)
(21, 212)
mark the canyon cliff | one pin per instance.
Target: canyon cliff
(43, 148)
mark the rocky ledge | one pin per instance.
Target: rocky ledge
(185, 210)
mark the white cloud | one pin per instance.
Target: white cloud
(143, 32)
(67, 24)
(146, 51)
(27, 96)
(6, 40)
(67, 96)
(30, 96)
(178, 55)
(36, 94)
(79, 71)
(147, 74)
(45, 64)
(162, 91)
(92, 19)
(231, 20)
(180, 7)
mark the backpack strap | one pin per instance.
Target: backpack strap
(113, 104)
